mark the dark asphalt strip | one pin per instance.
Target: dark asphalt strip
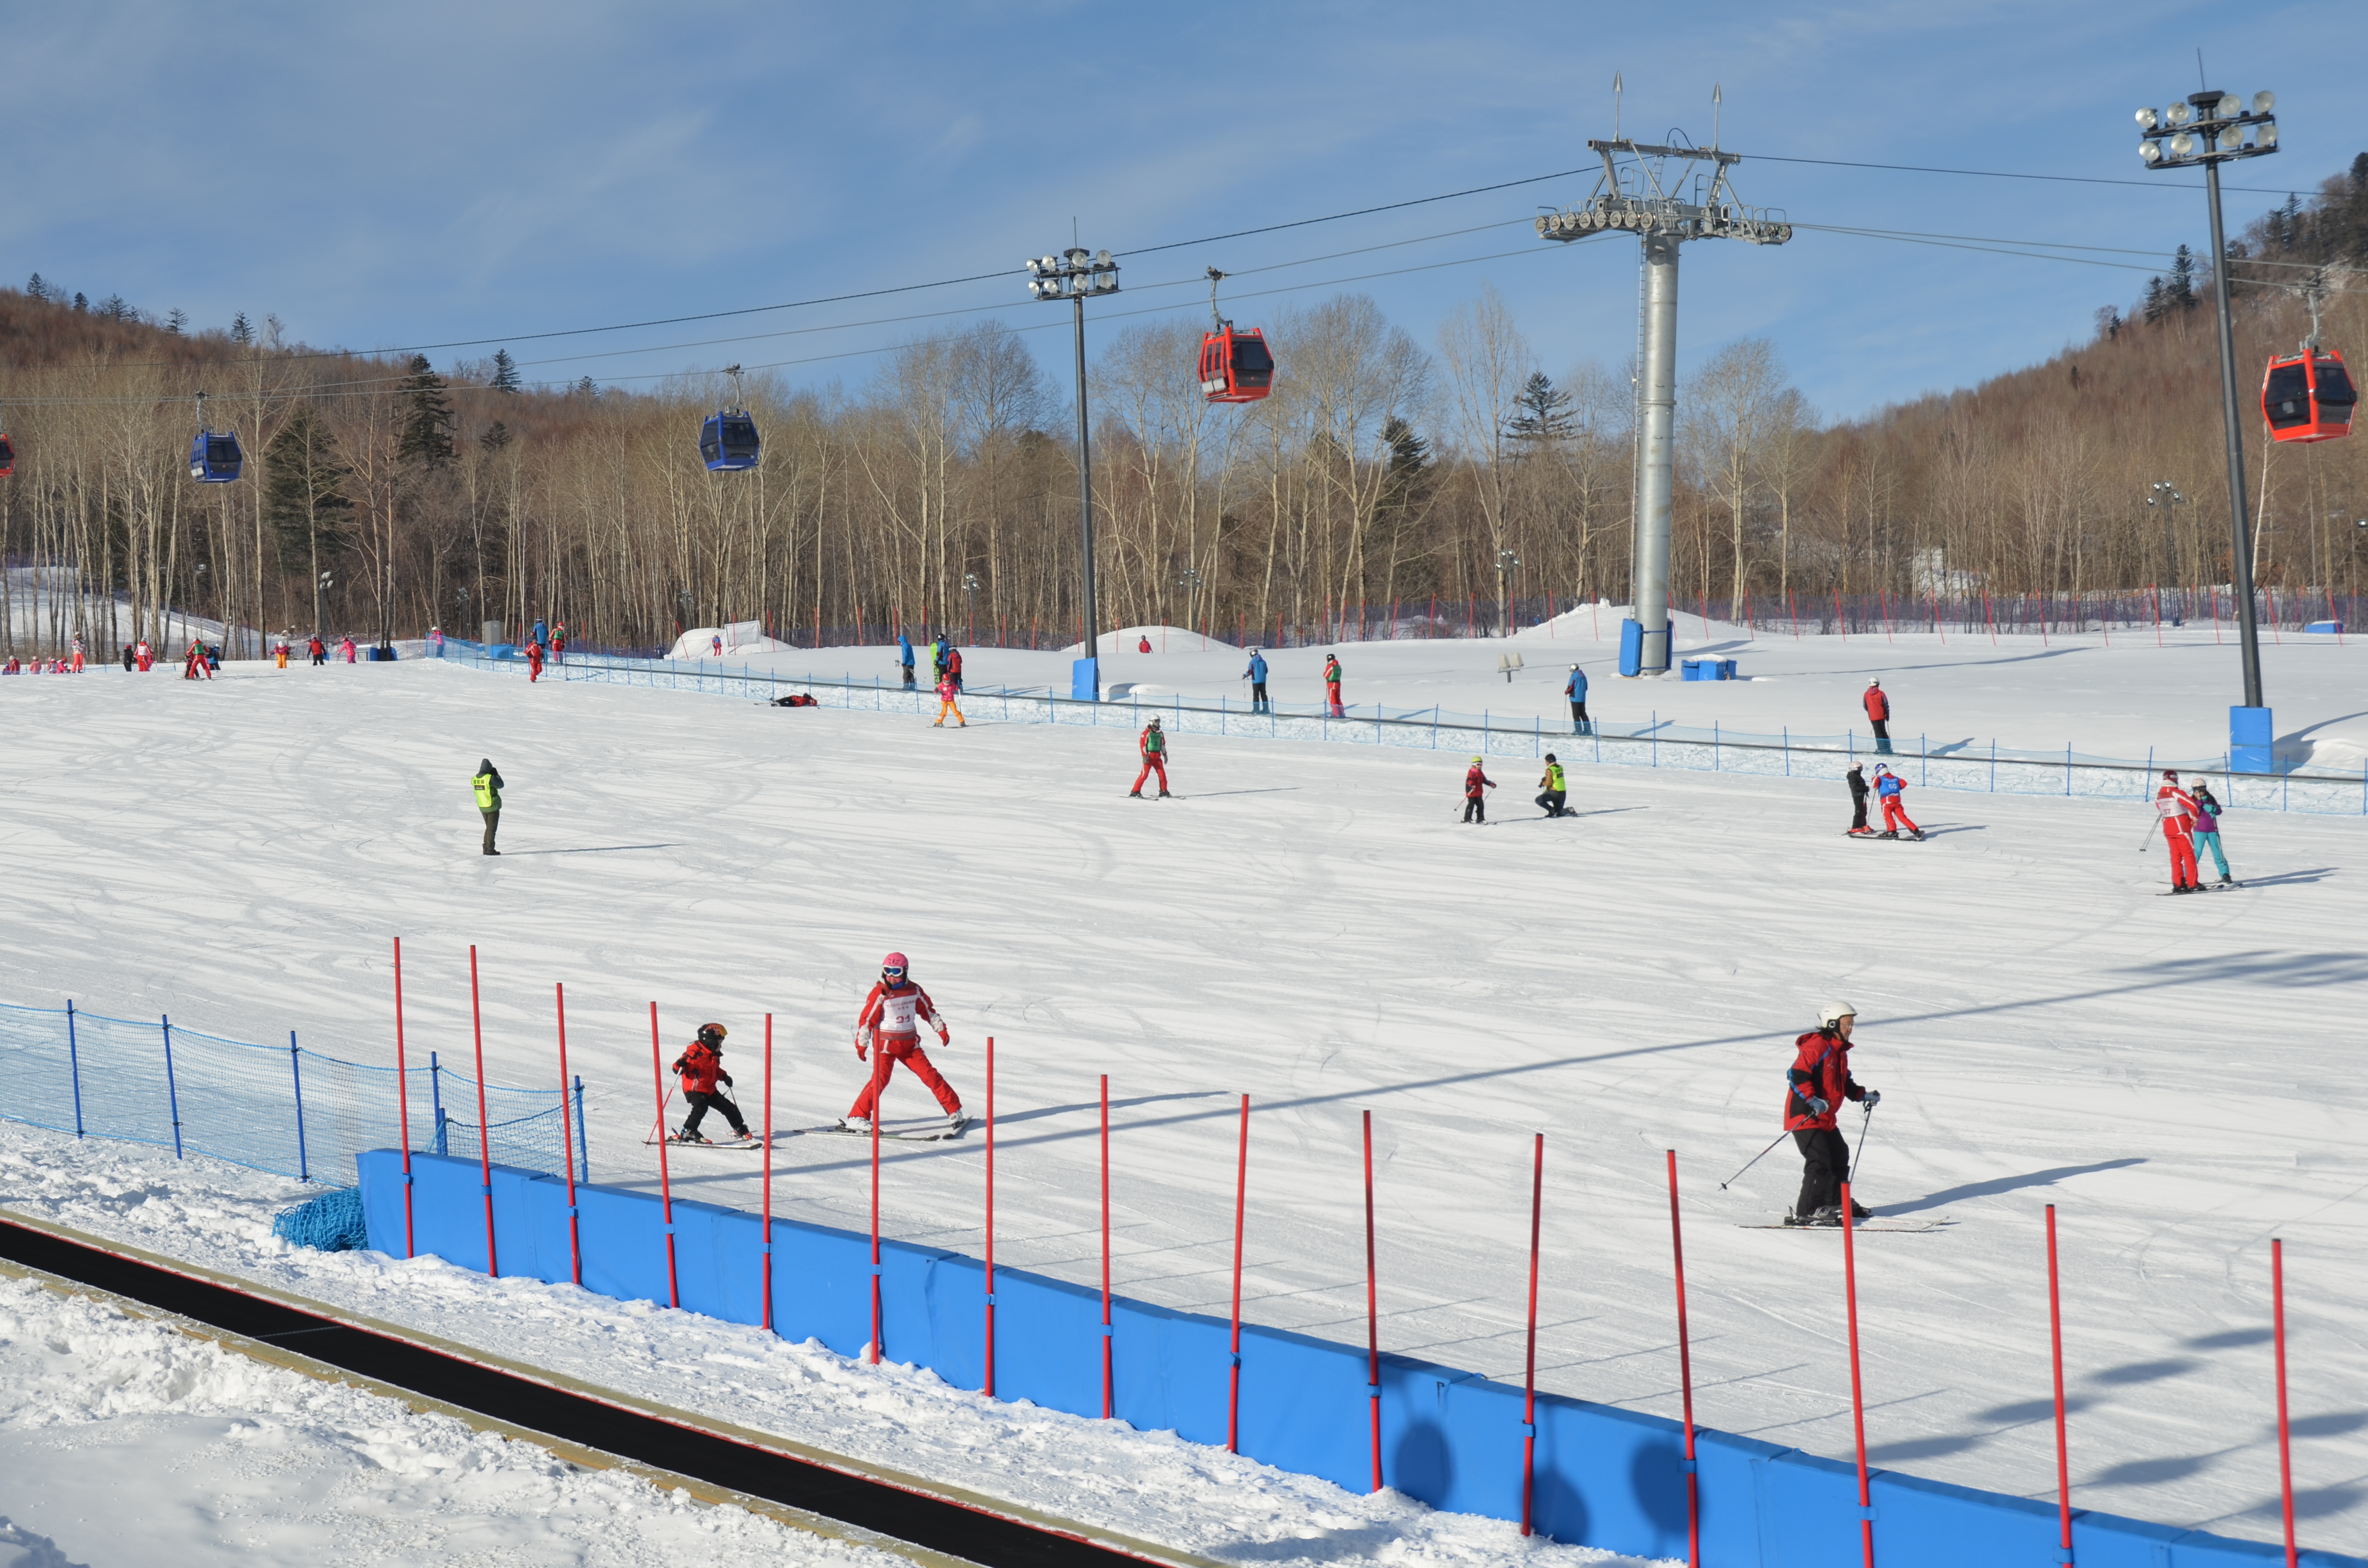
(990, 1539)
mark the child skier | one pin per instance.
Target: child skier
(1887, 787)
(1856, 778)
(701, 1067)
(946, 692)
(2176, 807)
(1476, 801)
(1152, 745)
(890, 1024)
(1332, 684)
(533, 662)
(2207, 832)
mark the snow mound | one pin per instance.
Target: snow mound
(1163, 640)
(738, 639)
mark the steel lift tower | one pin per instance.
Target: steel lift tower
(1641, 194)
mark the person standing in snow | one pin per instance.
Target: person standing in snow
(77, 656)
(129, 663)
(1476, 783)
(2176, 807)
(318, 650)
(2207, 832)
(488, 787)
(533, 662)
(142, 656)
(946, 692)
(559, 643)
(1556, 791)
(1144, 645)
(347, 648)
(435, 642)
(1878, 713)
(1256, 676)
(1888, 789)
(1332, 684)
(904, 659)
(1152, 745)
(1575, 688)
(890, 1026)
(1856, 780)
(701, 1068)
(1814, 1087)
(953, 667)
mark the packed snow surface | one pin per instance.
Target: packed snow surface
(1309, 924)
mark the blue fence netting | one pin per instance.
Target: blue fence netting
(1937, 763)
(284, 1109)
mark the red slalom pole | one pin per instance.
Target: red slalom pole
(2055, 1354)
(1108, 1403)
(2285, 1448)
(768, 1253)
(1857, 1399)
(1685, 1375)
(484, 1154)
(990, 1389)
(879, 1093)
(666, 1190)
(403, 1101)
(567, 1140)
(1530, 1370)
(1372, 1312)
(1241, 1207)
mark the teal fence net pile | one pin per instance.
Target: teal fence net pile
(284, 1109)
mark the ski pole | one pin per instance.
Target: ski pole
(1753, 1161)
(658, 1128)
(1865, 1120)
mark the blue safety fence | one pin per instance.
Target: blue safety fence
(1937, 763)
(1607, 1478)
(270, 1108)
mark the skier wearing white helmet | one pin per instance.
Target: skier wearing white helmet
(890, 1024)
(1817, 1085)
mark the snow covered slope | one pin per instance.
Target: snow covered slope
(1310, 924)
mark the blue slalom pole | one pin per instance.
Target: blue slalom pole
(172, 1094)
(296, 1067)
(73, 1060)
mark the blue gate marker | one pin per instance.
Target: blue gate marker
(296, 1067)
(172, 1095)
(74, 1065)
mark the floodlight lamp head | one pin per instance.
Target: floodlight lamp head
(1078, 255)
(2266, 138)
(2230, 107)
(2231, 138)
(2264, 101)
(2148, 120)
(2178, 114)
(1101, 258)
(2183, 144)
(2150, 151)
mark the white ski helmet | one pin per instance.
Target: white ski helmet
(1833, 1013)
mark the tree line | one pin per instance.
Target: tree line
(382, 496)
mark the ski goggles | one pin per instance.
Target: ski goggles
(891, 971)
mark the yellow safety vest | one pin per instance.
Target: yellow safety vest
(486, 800)
(1553, 776)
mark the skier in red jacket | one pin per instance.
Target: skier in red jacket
(2176, 809)
(700, 1066)
(1878, 713)
(533, 662)
(890, 1024)
(1818, 1082)
(1476, 785)
(1152, 745)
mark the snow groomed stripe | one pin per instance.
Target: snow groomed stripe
(1607, 1478)
(940, 1520)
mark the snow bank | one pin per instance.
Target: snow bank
(1163, 640)
(741, 638)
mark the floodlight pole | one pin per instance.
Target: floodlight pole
(1074, 273)
(1658, 213)
(2210, 128)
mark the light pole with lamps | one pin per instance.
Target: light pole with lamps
(1072, 275)
(320, 596)
(1190, 583)
(2167, 500)
(2209, 129)
(969, 597)
(1506, 564)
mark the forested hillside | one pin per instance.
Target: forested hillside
(940, 489)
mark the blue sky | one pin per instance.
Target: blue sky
(384, 176)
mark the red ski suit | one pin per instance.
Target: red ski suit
(700, 1068)
(1820, 1070)
(1878, 706)
(1152, 761)
(2177, 808)
(889, 1021)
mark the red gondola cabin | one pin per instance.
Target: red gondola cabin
(1235, 366)
(2308, 397)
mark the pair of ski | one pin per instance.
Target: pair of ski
(1875, 1226)
(2204, 887)
(913, 1135)
(1915, 837)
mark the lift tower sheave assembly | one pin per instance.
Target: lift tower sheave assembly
(1638, 193)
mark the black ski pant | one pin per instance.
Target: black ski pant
(1258, 703)
(1579, 717)
(493, 815)
(701, 1102)
(1475, 808)
(1825, 1161)
(1857, 812)
(1882, 736)
(908, 678)
(1551, 801)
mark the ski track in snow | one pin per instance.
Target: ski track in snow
(1315, 929)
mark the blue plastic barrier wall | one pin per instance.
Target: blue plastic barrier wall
(1606, 1477)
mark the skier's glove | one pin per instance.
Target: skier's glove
(1873, 1100)
(1816, 1106)
(726, 1078)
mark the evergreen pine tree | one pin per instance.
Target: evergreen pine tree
(426, 418)
(1543, 411)
(37, 289)
(2180, 294)
(115, 307)
(242, 331)
(506, 376)
(586, 387)
(175, 319)
(2151, 310)
(304, 502)
(496, 436)
(81, 301)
